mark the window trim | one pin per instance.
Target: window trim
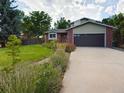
(53, 38)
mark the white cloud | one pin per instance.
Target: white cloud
(71, 9)
(109, 10)
(120, 6)
(100, 1)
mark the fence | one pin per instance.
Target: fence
(32, 41)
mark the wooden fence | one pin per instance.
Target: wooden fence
(32, 41)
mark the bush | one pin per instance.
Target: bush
(60, 60)
(50, 45)
(49, 81)
(69, 48)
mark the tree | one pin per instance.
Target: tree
(13, 45)
(10, 19)
(62, 23)
(27, 27)
(36, 23)
(117, 21)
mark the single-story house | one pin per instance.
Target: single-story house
(84, 32)
(56, 34)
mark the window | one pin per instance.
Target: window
(52, 36)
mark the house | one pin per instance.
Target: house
(56, 34)
(84, 32)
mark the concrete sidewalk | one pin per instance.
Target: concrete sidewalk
(95, 70)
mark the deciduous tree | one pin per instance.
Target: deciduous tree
(36, 23)
(62, 23)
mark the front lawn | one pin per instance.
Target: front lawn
(28, 53)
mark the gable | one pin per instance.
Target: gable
(89, 28)
(79, 22)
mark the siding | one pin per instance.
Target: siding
(89, 28)
(78, 22)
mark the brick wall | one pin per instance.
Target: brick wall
(109, 37)
(70, 38)
(58, 37)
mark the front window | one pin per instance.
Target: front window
(52, 36)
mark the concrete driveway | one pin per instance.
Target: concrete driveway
(95, 70)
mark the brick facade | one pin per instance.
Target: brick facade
(58, 37)
(70, 37)
(109, 37)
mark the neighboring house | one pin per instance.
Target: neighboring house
(84, 32)
(56, 34)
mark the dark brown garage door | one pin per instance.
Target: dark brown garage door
(96, 40)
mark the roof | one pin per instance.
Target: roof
(57, 31)
(91, 21)
(87, 19)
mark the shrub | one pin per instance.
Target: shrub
(13, 45)
(49, 81)
(60, 60)
(51, 45)
(69, 48)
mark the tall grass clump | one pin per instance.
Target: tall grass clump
(70, 48)
(49, 81)
(61, 46)
(21, 79)
(60, 60)
(35, 78)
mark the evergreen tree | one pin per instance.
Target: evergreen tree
(10, 20)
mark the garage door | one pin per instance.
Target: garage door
(96, 40)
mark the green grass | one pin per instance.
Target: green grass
(28, 53)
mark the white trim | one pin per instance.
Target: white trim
(92, 33)
(49, 38)
(105, 39)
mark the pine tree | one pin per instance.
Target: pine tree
(9, 20)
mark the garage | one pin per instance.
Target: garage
(96, 40)
(90, 33)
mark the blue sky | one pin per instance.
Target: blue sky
(73, 9)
